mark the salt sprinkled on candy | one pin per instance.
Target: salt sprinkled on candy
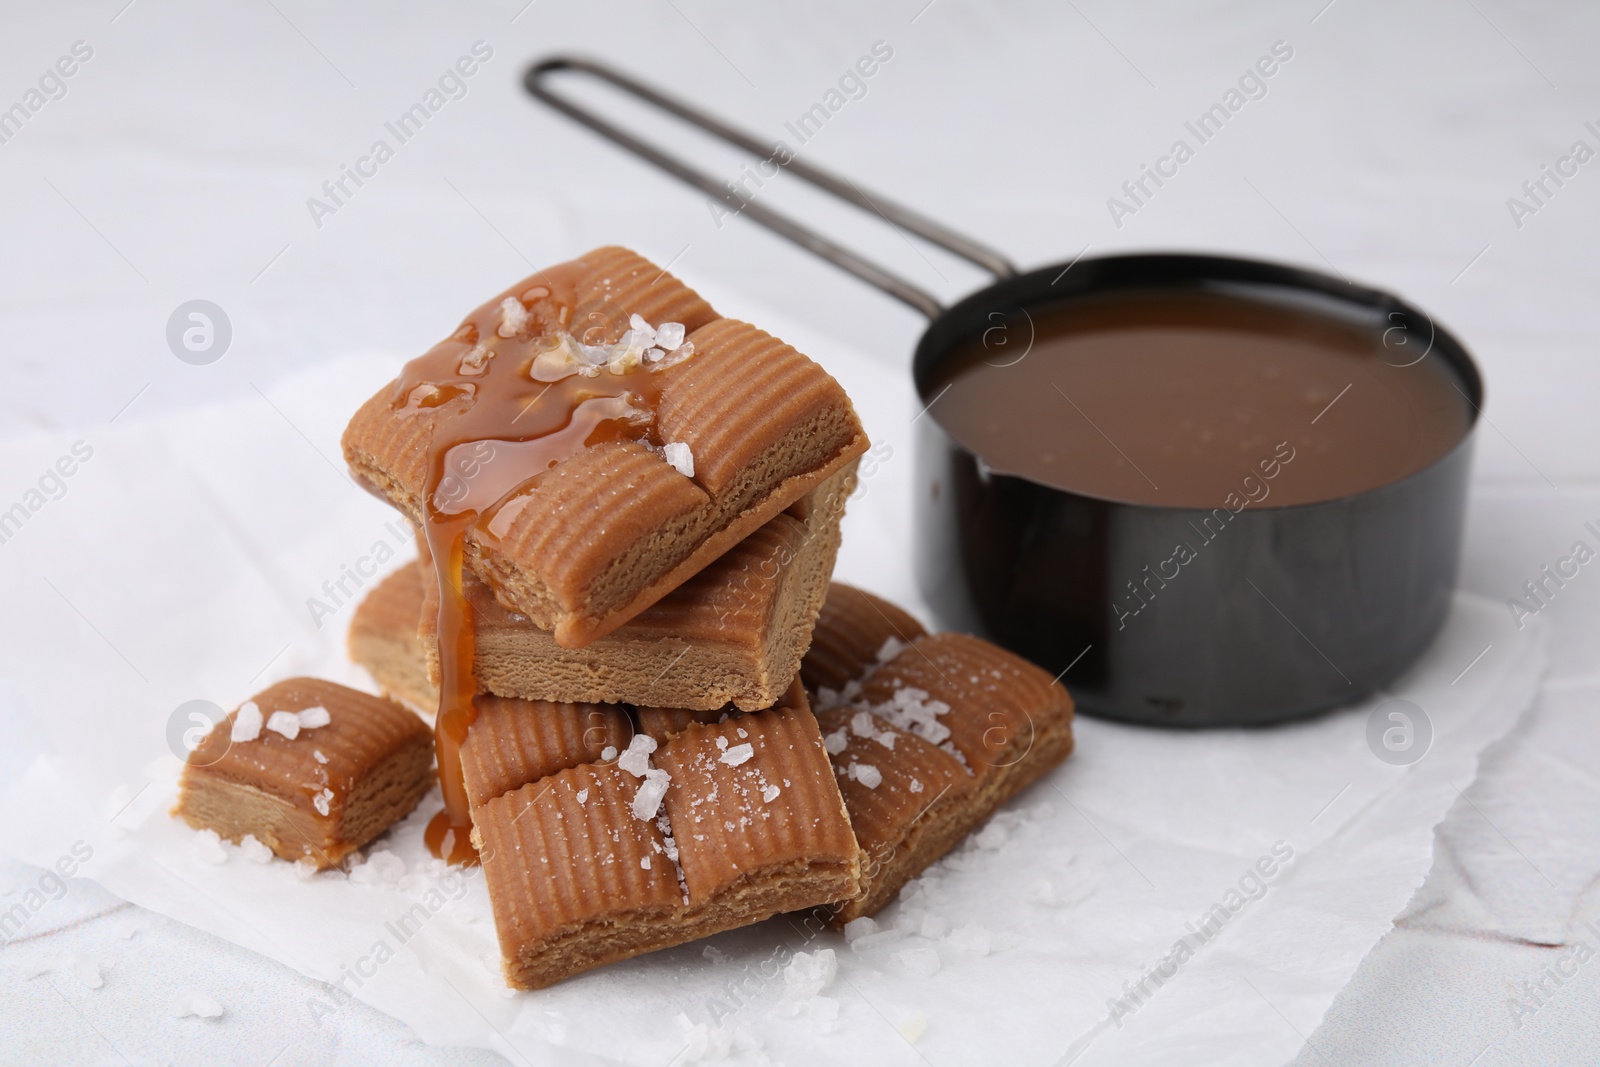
(473, 363)
(642, 330)
(513, 317)
(915, 786)
(644, 862)
(317, 755)
(866, 774)
(583, 795)
(668, 336)
(738, 754)
(608, 753)
(636, 761)
(861, 724)
(770, 793)
(651, 791)
(682, 459)
(247, 723)
(837, 741)
(321, 801)
(892, 646)
(196, 1005)
(286, 723)
(313, 717)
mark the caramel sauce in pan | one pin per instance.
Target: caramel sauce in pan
(1180, 398)
(499, 429)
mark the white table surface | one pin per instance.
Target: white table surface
(178, 166)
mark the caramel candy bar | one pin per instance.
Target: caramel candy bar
(312, 769)
(927, 744)
(852, 628)
(383, 639)
(584, 471)
(513, 742)
(736, 821)
(734, 633)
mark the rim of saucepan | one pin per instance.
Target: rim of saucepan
(1059, 283)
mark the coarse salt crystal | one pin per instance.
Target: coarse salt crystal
(867, 774)
(637, 759)
(892, 646)
(608, 753)
(321, 801)
(286, 723)
(991, 837)
(934, 926)
(642, 330)
(858, 928)
(208, 847)
(644, 862)
(473, 363)
(247, 723)
(651, 791)
(861, 724)
(254, 850)
(837, 741)
(513, 317)
(313, 717)
(915, 786)
(682, 459)
(583, 795)
(669, 335)
(738, 754)
(317, 755)
(770, 793)
(809, 973)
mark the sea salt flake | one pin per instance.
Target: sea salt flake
(208, 847)
(837, 741)
(738, 754)
(861, 724)
(254, 850)
(636, 760)
(859, 928)
(770, 793)
(473, 363)
(196, 1005)
(644, 862)
(915, 785)
(651, 791)
(669, 335)
(583, 795)
(809, 974)
(513, 317)
(867, 774)
(313, 717)
(892, 646)
(246, 723)
(608, 753)
(321, 802)
(317, 755)
(286, 723)
(679, 455)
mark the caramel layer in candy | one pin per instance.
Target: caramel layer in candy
(593, 865)
(734, 633)
(928, 744)
(852, 628)
(569, 506)
(383, 639)
(355, 765)
(662, 723)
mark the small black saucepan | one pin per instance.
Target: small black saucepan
(1296, 610)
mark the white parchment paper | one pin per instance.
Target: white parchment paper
(203, 555)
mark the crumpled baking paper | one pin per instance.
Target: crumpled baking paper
(1164, 897)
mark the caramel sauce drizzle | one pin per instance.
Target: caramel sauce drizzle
(499, 430)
